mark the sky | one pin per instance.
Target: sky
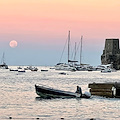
(41, 27)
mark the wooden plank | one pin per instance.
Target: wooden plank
(101, 85)
(100, 90)
(105, 94)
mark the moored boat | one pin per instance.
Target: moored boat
(44, 70)
(106, 70)
(47, 92)
(3, 65)
(21, 71)
(13, 69)
(34, 69)
(67, 66)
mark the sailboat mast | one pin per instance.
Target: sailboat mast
(81, 51)
(3, 58)
(68, 45)
(75, 52)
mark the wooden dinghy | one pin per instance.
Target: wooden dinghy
(47, 92)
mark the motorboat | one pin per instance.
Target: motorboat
(106, 70)
(47, 92)
(34, 69)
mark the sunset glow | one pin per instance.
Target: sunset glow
(47, 22)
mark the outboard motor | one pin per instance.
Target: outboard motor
(79, 90)
(86, 95)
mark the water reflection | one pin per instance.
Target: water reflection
(19, 99)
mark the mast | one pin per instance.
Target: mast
(81, 51)
(68, 45)
(75, 52)
(3, 58)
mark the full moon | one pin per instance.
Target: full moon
(13, 43)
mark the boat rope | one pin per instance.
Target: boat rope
(63, 51)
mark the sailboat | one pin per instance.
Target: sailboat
(81, 66)
(66, 66)
(3, 65)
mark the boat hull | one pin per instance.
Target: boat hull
(45, 92)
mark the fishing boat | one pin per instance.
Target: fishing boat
(47, 92)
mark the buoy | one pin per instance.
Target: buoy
(10, 117)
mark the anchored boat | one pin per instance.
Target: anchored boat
(47, 92)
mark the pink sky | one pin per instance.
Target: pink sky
(48, 21)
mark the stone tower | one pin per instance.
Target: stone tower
(111, 53)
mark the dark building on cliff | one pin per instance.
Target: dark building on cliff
(111, 53)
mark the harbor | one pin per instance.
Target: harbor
(20, 101)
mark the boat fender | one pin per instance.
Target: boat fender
(114, 91)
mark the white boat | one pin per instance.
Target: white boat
(67, 66)
(21, 71)
(81, 66)
(31, 68)
(64, 66)
(47, 92)
(34, 69)
(106, 70)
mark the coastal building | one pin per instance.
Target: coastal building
(111, 53)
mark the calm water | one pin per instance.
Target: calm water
(19, 100)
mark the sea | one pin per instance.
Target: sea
(19, 101)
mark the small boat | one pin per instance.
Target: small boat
(31, 68)
(44, 70)
(19, 67)
(13, 69)
(47, 92)
(3, 65)
(21, 71)
(106, 70)
(34, 69)
(52, 68)
(63, 73)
